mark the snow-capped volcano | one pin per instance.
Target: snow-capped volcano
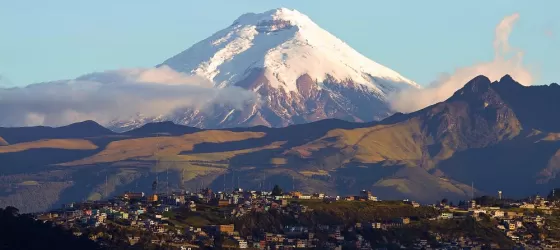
(288, 45)
(301, 72)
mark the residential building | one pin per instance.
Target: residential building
(415, 204)
(373, 225)
(304, 197)
(318, 195)
(131, 195)
(512, 215)
(403, 220)
(192, 206)
(446, 215)
(228, 228)
(220, 202)
(301, 243)
(527, 206)
(510, 225)
(498, 213)
(242, 244)
(153, 198)
(366, 195)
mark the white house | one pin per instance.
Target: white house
(498, 213)
(446, 216)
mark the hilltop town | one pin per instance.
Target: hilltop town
(244, 219)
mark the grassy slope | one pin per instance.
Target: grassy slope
(383, 158)
(68, 144)
(483, 230)
(368, 145)
(527, 163)
(152, 147)
(389, 159)
(395, 160)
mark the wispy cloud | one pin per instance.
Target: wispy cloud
(549, 30)
(105, 96)
(507, 60)
(549, 33)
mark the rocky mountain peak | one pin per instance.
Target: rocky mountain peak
(474, 87)
(301, 72)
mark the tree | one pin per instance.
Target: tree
(276, 191)
(444, 201)
(11, 211)
(154, 186)
(23, 231)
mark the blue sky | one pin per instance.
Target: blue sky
(60, 39)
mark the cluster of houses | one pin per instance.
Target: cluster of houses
(150, 215)
(514, 219)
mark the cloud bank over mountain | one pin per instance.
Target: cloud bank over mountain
(105, 96)
(121, 95)
(507, 60)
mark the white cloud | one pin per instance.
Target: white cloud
(507, 60)
(160, 75)
(105, 96)
(503, 30)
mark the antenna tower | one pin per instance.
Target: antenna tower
(472, 190)
(167, 180)
(157, 165)
(106, 186)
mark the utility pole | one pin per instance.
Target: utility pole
(472, 190)
(106, 187)
(183, 180)
(115, 182)
(157, 164)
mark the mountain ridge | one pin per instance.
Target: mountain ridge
(82, 129)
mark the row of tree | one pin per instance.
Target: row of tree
(22, 231)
